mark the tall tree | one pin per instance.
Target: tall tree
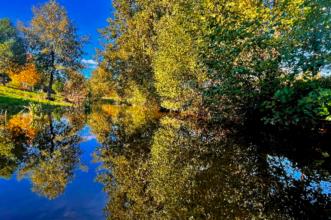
(307, 46)
(12, 49)
(128, 54)
(54, 42)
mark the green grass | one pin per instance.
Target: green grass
(15, 98)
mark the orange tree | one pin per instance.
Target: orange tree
(27, 77)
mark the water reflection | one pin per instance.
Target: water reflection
(179, 169)
(162, 166)
(41, 148)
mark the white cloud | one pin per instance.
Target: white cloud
(91, 64)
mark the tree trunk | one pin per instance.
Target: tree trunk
(3, 79)
(50, 84)
(51, 78)
(51, 130)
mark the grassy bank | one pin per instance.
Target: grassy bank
(15, 98)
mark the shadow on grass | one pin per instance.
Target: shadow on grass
(15, 105)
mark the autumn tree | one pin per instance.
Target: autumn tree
(124, 156)
(176, 64)
(54, 42)
(21, 125)
(217, 58)
(127, 57)
(101, 83)
(55, 156)
(75, 89)
(27, 77)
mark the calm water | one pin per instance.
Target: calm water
(132, 163)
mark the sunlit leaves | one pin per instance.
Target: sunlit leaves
(27, 77)
(54, 42)
(75, 89)
(22, 125)
(175, 65)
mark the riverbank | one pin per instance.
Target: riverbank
(11, 98)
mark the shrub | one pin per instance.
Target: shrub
(303, 104)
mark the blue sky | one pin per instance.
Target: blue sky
(87, 15)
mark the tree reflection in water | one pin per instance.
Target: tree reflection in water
(158, 166)
(178, 169)
(39, 147)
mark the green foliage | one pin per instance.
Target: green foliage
(12, 48)
(317, 104)
(127, 56)
(34, 109)
(242, 55)
(306, 46)
(8, 159)
(58, 86)
(217, 57)
(175, 65)
(304, 104)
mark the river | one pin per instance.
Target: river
(127, 162)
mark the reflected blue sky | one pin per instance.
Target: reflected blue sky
(82, 199)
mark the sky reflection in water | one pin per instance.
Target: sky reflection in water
(82, 199)
(131, 162)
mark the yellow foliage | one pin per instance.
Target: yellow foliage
(27, 77)
(21, 125)
(50, 178)
(136, 94)
(100, 124)
(100, 84)
(131, 118)
(111, 110)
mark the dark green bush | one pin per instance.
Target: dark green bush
(303, 104)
